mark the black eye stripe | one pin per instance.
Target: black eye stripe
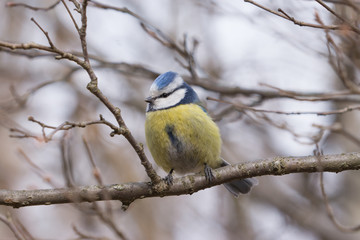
(165, 95)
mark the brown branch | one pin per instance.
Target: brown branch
(312, 97)
(45, 33)
(95, 169)
(282, 14)
(330, 210)
(350, 3)
(93, 88)
(107, 217)
(190, 184)
(338, 63)
(241, 107)
(27, 53)
(21, 99)
(12, 226)
(12, 4)
(85, 236)
(82, 34)
(119, 9)
(65, 126)
(318, 154)
(109, 221)
(330, 10)
(38, 171)
(23, 230)
(304, 139)
(71, 16)
(59, 53)
(351, 26)
(339, 129)
(66, 162)
(208, 84)
(151, 30)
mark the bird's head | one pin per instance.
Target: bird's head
(169, 90)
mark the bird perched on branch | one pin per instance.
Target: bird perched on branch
(180, 134)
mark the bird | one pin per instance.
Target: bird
(180, 134)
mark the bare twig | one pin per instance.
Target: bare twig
(119, 9)
(11, 225)
(96, 170)
(350, 3)
(93, 88)
(330, 210)
(343, 96)
(82, 34)
(107, 219)
(352, 27)
(319, 155)
(138, 70)
(282, 14)
(45, 33)
(21, 99)
(63, 127)
(241, 107)
(22, 229)
(339, 65)
(86, 236)
(67, 165)
(191, 57)
(339, 129)
(12, 4)
(71, 16)
(59, 53)
(304, 139)
(338, 61)
(315, 96)
(19, 133)
(150, 29)
(40, 172)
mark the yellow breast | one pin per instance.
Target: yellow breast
(183, 138)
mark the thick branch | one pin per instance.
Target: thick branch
(128, 192)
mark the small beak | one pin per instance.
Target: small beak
(149, 100)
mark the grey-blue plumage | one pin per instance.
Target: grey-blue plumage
(239, 186)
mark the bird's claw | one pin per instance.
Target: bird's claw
(169, 178)
(208, 173)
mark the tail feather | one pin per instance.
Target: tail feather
(239, 185)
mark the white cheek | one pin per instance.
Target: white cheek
(171, 100)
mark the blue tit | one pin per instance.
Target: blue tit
(180, 134)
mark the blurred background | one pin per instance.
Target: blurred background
(238, 45)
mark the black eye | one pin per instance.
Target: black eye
(164, 95)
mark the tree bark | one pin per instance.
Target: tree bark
(128, 192)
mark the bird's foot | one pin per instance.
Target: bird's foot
(169, 178)
(208, 173)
